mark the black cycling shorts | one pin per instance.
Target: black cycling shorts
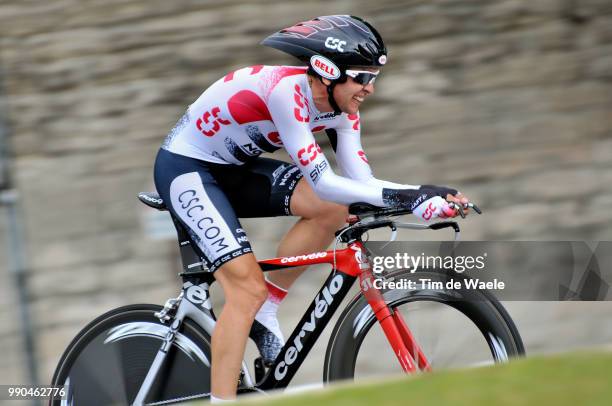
(208, 198)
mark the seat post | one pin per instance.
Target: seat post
(194, 266)
(192, 262)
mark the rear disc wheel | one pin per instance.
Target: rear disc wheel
(108, 360)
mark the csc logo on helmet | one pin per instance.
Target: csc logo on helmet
(324, 67)
(335, 43)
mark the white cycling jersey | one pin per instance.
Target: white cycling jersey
(263, 108)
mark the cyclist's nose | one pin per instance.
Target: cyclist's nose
(369, 88)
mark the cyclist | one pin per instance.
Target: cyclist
(209, 173)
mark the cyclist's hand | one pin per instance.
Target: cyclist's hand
(441, 208)
(458, 202)
(434, 207)
(429, 201)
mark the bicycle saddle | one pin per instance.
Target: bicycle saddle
(152, 199)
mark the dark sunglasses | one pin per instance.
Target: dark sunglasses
(363, 77)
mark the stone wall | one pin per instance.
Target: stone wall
(510, 101)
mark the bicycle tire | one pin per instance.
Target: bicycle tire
(105, 364)
(479, 306)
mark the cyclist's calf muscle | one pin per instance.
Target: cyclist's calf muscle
(245, 291)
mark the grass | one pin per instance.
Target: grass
(574, 379)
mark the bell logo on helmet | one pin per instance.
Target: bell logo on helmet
(324, 67)
(382, 59)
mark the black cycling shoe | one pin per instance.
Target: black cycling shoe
(268, 344)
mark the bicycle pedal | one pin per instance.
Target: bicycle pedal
(260, 369)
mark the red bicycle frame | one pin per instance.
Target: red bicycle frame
(352, 262)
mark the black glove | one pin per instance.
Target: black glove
(412, 198)
(441, 191)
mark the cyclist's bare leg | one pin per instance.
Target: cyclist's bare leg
(313, 232)
(245, 291)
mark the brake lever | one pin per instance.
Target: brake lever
(476, 209)
(457, 207)
(460, 208)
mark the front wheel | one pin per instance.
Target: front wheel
(455, 328)
(108, 360)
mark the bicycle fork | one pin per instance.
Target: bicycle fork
(406, 349)
(172, 312)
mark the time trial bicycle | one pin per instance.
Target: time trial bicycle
(146, 354)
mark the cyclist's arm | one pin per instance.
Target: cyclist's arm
(300, 144)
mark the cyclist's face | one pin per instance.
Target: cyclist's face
(350, 94)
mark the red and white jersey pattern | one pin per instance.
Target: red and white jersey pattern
(263, 108)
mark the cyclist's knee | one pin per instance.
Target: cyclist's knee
(330, 215)
(244, 285)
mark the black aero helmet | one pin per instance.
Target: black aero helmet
(330, 44)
